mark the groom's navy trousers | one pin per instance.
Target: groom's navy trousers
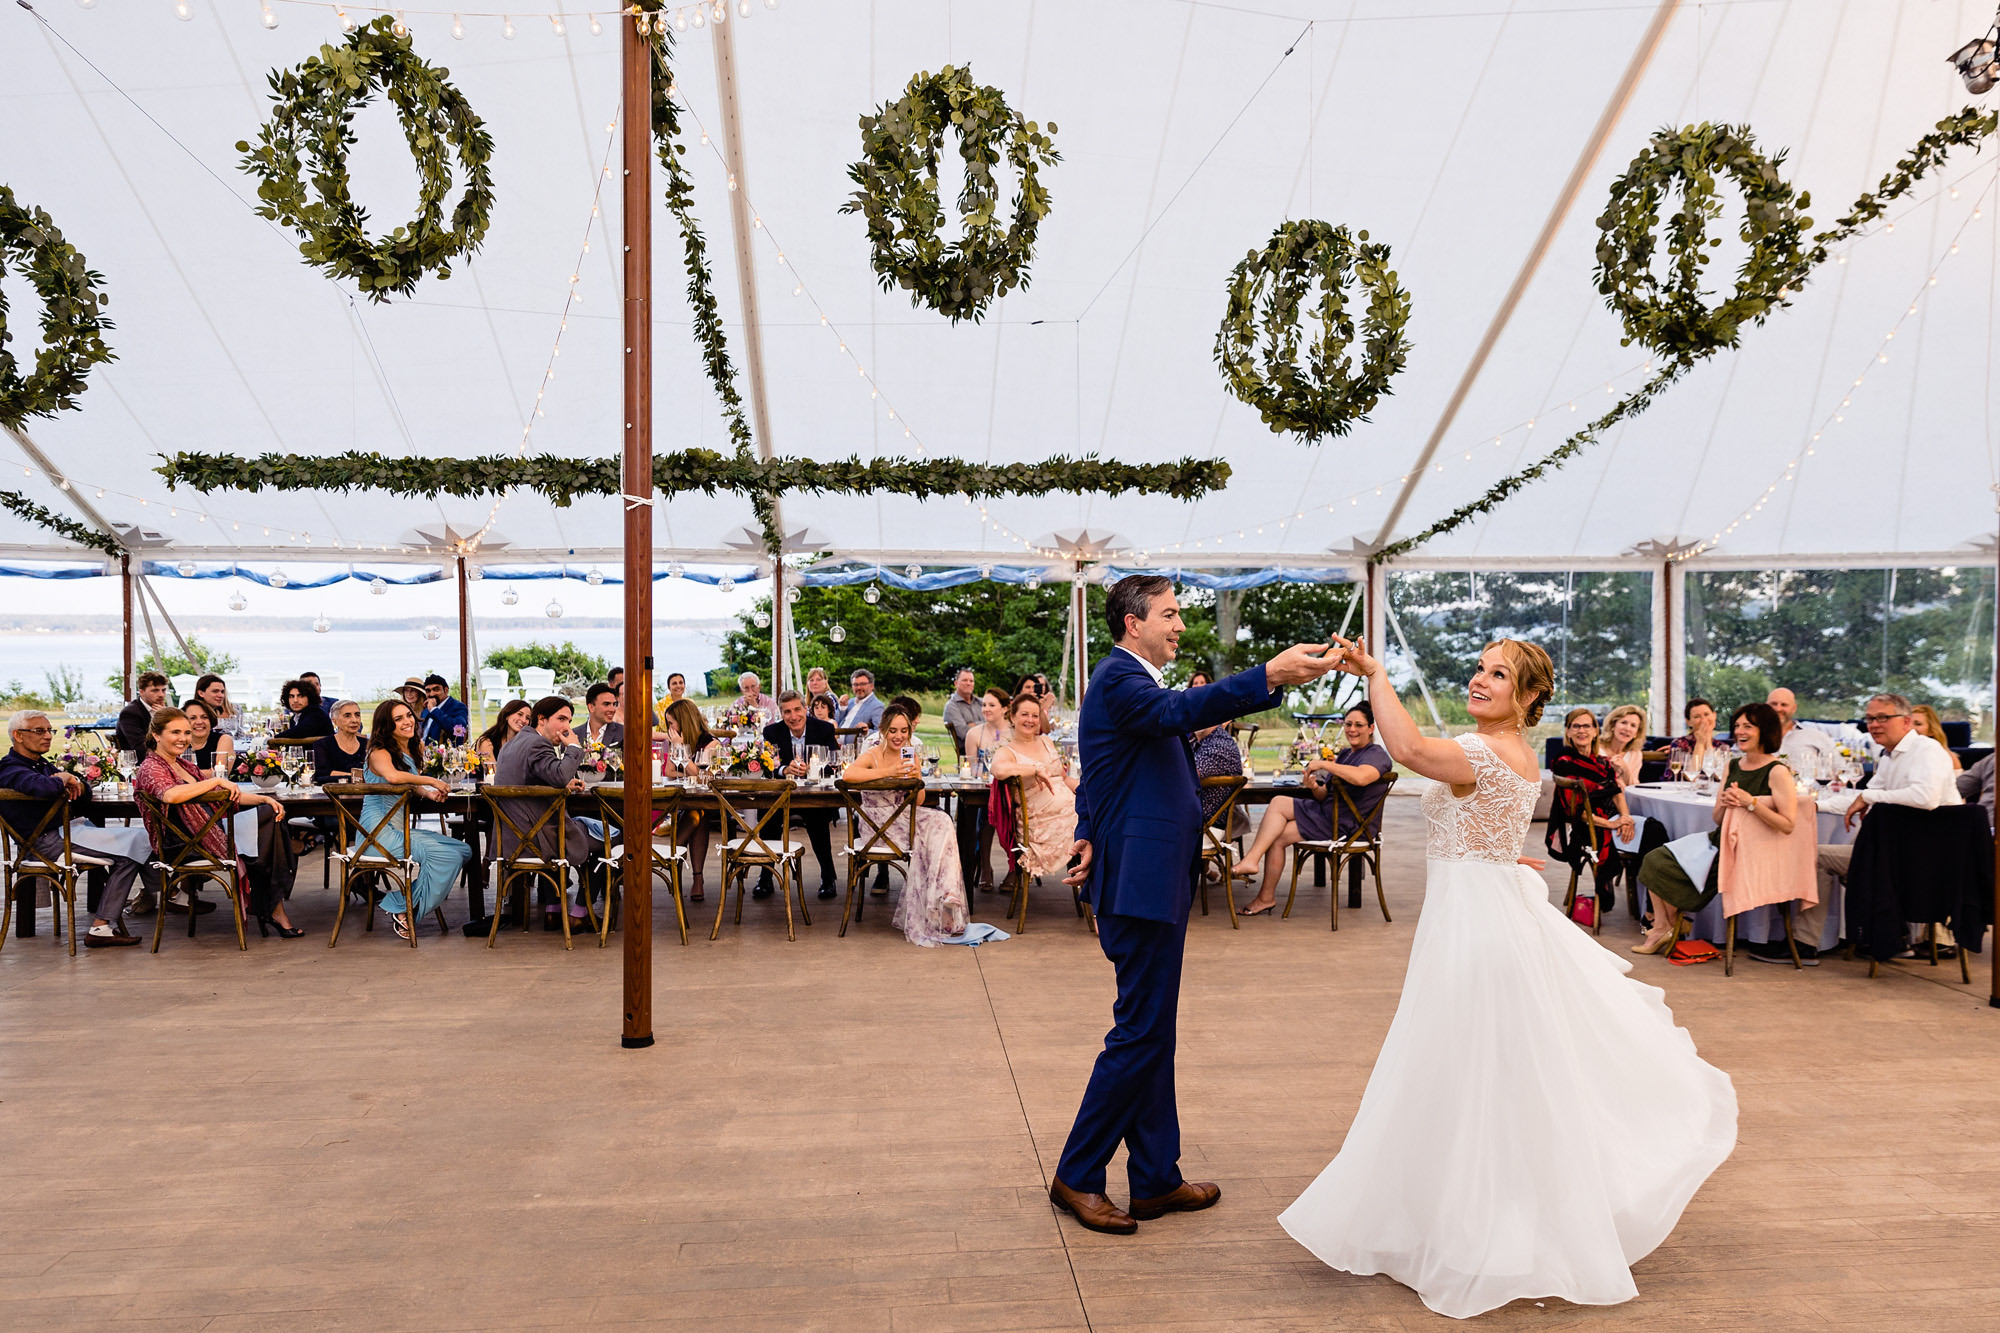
(1139, 809)
(1130, 1099)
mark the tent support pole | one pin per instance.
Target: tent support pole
(1607, 121)
(777, 625)
(636, 874)
(1660, 705)
(464, 645)
(1993, 993)
(1079, 614)
(1676, 633)
(1377, 598)
(125, 578)
(146, 586)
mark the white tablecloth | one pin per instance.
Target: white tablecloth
(1681, 812)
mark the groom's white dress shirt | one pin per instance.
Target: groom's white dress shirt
(1159, 677)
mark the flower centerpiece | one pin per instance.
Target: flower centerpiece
(91, 766)
(741, 717)
(266, 768)
(751, 758)
(604, 761)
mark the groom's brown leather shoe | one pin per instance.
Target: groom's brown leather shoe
(1094, 1211)
(1191, 1197)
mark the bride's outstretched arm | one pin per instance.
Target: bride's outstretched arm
(1434, 757)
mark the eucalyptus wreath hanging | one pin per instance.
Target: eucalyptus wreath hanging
(73, 321)
(897, 178)
(313, 122)
(1321, 393)
(1672, 318)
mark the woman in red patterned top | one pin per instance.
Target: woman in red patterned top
(168, 777)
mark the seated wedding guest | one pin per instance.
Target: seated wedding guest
(443, 720)
(817, 688)
(169, 778)
(933, 905)
(1048, 788)
(961, 711)
(1932, 726)
(26, 769)
(211, 751)
(750, 694)
(1623, 742)
(308, 721)
(213, 691)
(514, 715)
(1699, 742)
(326, 700)
(1318, 815)
(396, 759)
(339, 757)
(546, 754)
(677, 688)
(865, 709)
(975, 830)
(687, 729)
(1976, 784)
(790, 735)
(1198, 678)
(413, 693)
(615, 677)
(824, 707)
(600, 706)
(1042, 685)
(1804, 749)
(137, 716)
(1028, 684)
(1215, 756)
(1911, 770)
(1598, 800)
(1761, 861)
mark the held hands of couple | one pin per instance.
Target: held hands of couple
(1300, 663)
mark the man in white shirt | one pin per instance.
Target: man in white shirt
(1803, 749)
(1912, 770)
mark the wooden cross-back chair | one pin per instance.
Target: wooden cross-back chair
(874, 842)
(22, 862)
(1363, 842)
(185, 863)
(529, 861)
(1216, 847)
(1015, 795)
(1573, 800)
(756, 847)
(363, 850)
(668, 861)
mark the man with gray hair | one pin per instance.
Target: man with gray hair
(125, 852)
(751, 694)
(1912, 769)
(865, 710)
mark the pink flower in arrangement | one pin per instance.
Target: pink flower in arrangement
(459, 731)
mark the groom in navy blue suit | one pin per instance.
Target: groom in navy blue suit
(1138, 832)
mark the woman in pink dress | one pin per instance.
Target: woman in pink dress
(933, 907)
(1769, 837)
(1047, 786)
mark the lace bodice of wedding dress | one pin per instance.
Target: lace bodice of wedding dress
(1488, 825)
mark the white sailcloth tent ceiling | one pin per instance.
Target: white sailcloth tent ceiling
(1445, 128)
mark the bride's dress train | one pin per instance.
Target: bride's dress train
(1535, 1122)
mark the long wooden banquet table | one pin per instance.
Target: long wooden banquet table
(467, 802)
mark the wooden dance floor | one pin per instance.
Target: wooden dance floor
(857, 1134)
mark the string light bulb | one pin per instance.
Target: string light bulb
(267, 18)
(719, 12)
(698, 18)
(556, 22)
(680, 20)
(457, 28)
(507, 27)
(183, 11)
(399, 27)
(743, 8)
(596, 28)
(347, 24)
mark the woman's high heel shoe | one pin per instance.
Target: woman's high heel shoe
(265, 925)
(1652, 945)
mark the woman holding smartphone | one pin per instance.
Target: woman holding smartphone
(933, 906)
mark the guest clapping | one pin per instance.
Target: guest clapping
(1698, 744)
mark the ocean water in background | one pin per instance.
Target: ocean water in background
(370, 660)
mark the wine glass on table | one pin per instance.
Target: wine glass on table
(1676, 761)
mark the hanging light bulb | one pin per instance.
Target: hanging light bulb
(595, 578)
(431, 630)
(770, 4)
(674, 570)
(871, 594)
(376, 586)
(183, 11)
(743, 8)
(457, 28)
(791, 597)
(596, 28)
(913, 571)
(399, 27)
(474, 573)
(680, 20)
(1032, 582)
(267, 18)
(509, 597)
(698, 18)
(237, 602)
(279, 580)
(763, 619)
(726, 584)
(553, 610)
(86, 4)
(837, 634)
(507, 27)
(986, 571)
(321, 624)
(556, 22)
(719, 12)
(347, 24)
(185, 569)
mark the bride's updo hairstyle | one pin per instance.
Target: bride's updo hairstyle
(1534, 674)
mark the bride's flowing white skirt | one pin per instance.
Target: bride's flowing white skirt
(1535, 1123)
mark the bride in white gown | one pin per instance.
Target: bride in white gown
(1535, 1122)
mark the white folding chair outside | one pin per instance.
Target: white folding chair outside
(183, 687)
(493, 685)
(537, 682)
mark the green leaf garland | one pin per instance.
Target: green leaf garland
(1672, 319)
(60, 524)
(691, 471)
(73, 322)
(897, 180)
(314, 121)
(1325, 395)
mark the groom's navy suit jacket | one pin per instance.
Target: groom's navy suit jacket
(1137, 804)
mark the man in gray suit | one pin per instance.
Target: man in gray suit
(546, 754)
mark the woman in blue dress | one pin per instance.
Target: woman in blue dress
(395, 758)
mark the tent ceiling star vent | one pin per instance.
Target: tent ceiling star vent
(1671, 549)
(447, 538)
(798, 541)
(1083, 543)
